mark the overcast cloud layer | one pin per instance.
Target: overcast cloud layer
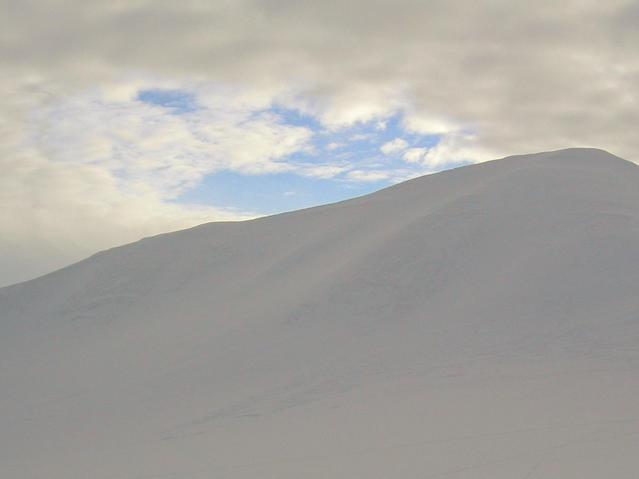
(87, 165)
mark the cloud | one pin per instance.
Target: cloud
(146, 146)
(360, 137)
(334, 146)
(367, 175)
(321, 171)
(394, 146)
(456, 149)
(414, 155)
(428, 125)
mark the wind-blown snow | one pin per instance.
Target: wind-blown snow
(477, 323)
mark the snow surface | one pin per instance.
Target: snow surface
(477, 323)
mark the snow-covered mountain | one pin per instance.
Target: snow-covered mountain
(477, 323)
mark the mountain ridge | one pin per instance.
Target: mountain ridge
(583, 154)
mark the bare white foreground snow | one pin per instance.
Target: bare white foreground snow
(481, 323)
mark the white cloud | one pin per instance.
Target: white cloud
(457, 148)
(358, 103)
(428, 125)
(147, 147)
(414, 155)
(367, 175)
(321, 171)
(360, 137)
(394, 146)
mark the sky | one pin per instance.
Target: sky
(122, 119)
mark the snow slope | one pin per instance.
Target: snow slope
(478, 323)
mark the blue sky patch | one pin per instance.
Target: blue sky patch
(178, 101)
(355, 148)
(274, 193)
(352, 153)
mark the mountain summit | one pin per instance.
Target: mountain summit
(479, 322)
